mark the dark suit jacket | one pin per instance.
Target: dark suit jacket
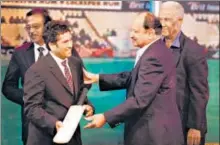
(150, 111)
(22, 58)
(192, 84)
(47, 98)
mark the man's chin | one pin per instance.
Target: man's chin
(68, 55)
(34, 40)
(135, 48)
(135, 45)
(165, 35)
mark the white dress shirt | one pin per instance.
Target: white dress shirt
(37, 53)
(141, 51)
(59, 63)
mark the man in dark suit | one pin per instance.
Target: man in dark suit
(51, 86)
(150, 111)
(192, 73)
(23, 57)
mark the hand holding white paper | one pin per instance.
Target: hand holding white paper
(70, 124)
(71, 120)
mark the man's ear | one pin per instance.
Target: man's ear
(151, 32)
(180, 21)
(52, 45)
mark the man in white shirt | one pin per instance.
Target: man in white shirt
(150, 111)
(52, 85)
(23, 57)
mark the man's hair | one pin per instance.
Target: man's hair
(54, 28)
(174, 7)
(150, 21)
(41, 11)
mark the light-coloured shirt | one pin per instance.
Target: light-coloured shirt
(176, 42)
(141, 51)
(37, 53)
(59, 63)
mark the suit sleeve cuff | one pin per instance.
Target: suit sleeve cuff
(109, 119)
(52, 125)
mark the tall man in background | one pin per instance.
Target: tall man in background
(23, 57)
(192, 73)
(150, 111)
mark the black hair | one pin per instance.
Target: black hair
(53, 28)
(42, 11)
(150, 21)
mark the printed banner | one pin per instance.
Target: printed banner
(106, 5)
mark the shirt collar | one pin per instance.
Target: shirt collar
(142, 50)
(57, 59)
(176, 42)
(36, 46)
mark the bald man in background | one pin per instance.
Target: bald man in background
(192, 72)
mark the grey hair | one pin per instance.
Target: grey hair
(175, 7)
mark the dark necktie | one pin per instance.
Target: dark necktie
(68, 75)
(40, 49)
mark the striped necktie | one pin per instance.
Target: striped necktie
(68, 75)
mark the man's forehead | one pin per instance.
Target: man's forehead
(35, 18)
(138, 22)
(64, 36)
(166, 13)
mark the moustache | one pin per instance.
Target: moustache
(33, 35)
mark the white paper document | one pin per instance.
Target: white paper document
(70, 124)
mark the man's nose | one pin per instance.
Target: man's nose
(31, 30)
(163, 23)
(131, 35)
(70, 45)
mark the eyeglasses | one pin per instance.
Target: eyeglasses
(35, 27)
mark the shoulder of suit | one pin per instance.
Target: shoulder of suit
(193, 47)
(160, 48)
(75, 59)
(159, 43)
(39, 66)
(24, 46)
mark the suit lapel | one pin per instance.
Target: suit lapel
(177, 51)
(54, 68)
(73, 69)
(148, 49)
(137, 66)
(29, 56)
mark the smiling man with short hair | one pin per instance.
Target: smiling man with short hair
(52, 85)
